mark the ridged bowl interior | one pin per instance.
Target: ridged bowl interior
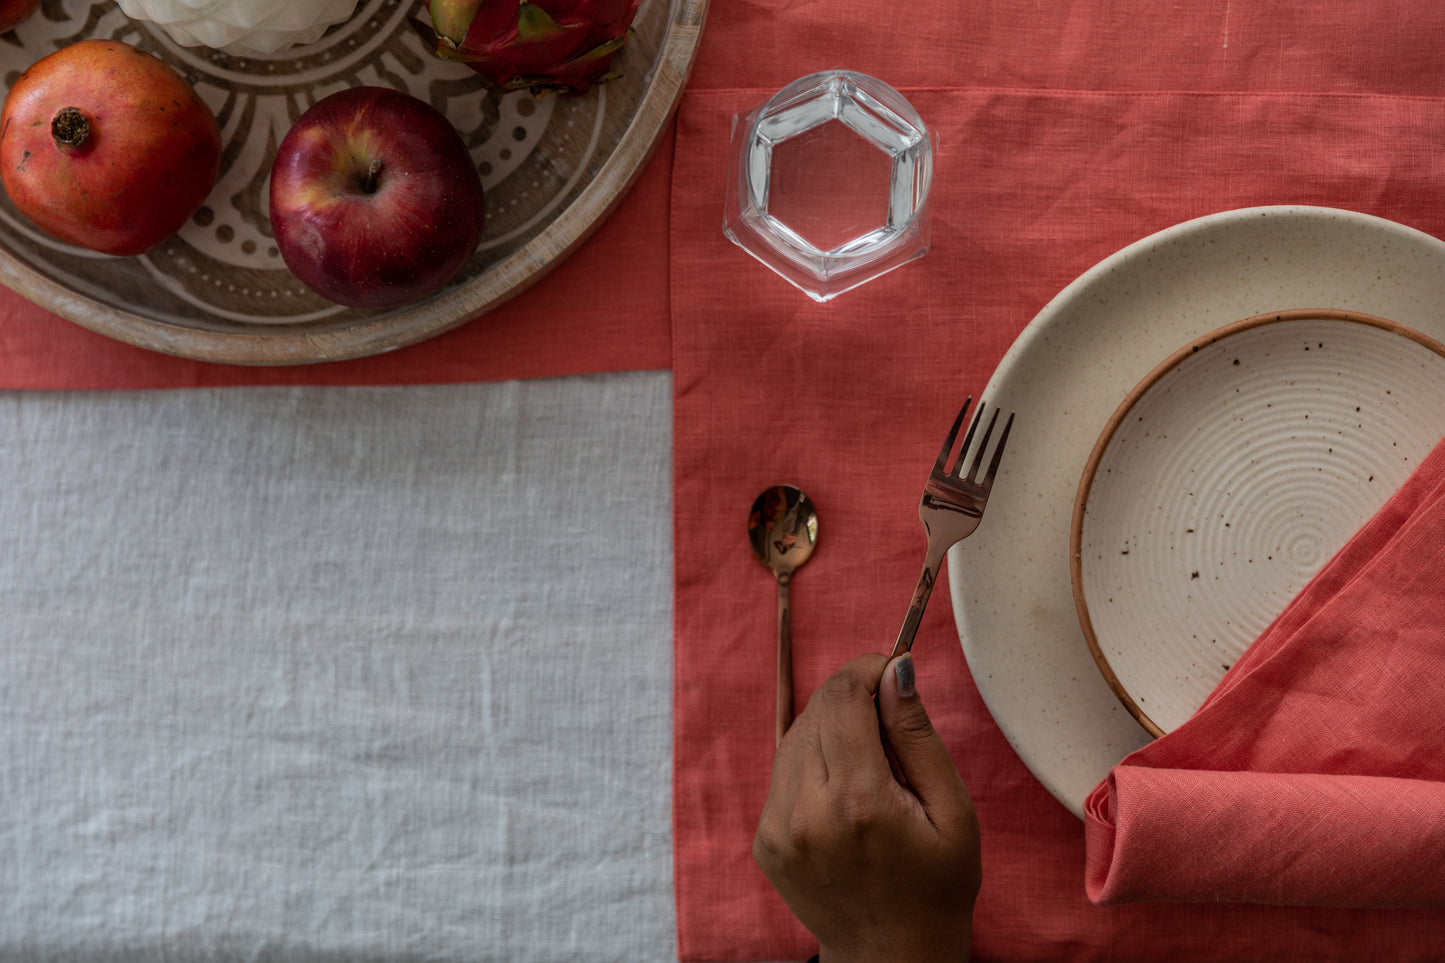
(1228, 478)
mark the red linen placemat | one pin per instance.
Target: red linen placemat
(1313, 772)
(604, 308)
(847, 400)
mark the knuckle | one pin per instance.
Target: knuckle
(785, 841)
(840, 689)
(773, 844)
(852, 814)
(790, 847)
(765, 848)
(800, 837)
(964, 827)
(914, 725)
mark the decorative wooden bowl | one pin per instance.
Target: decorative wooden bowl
(218, 290)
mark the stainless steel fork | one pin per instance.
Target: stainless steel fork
(951, 507)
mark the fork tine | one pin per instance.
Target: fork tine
(957, 469)
(982, 445)
(987, 482)
(952, 434)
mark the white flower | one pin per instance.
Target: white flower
(246, 27)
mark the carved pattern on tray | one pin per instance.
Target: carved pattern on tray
(222, 270)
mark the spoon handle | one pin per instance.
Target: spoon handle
(785, 655)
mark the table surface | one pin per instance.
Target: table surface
(375, 660)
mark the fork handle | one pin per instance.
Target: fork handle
(785, 655)
(931, 565)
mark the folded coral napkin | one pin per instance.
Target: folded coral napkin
(1314, 773)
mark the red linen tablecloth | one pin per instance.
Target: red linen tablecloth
(1066, 132)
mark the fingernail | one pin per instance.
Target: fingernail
(903, 676)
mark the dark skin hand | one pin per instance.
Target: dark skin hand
(868, 833)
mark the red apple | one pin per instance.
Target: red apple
(15, 12)
(375, 202)
(106, 147)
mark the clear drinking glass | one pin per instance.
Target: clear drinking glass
(829, 182)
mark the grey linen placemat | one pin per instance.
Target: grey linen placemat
(337, 673)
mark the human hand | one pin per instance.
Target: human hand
(878, 857)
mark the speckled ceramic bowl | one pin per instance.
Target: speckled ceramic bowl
(1226, 480)
(1066, 375)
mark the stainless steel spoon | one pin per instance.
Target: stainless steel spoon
(783, 527)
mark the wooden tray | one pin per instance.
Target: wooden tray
(218, 290)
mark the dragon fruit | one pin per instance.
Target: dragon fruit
(564, 46)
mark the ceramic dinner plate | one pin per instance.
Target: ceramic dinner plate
(1068, 372)
(1227, 478)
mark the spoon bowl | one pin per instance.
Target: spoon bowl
(783, 530)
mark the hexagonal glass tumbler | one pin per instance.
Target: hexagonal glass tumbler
(829, 182)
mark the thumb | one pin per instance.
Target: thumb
(919, 751)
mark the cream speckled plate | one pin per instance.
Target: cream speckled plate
(1227, 479)
(1067, 373)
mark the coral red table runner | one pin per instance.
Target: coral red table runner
(1065, 134)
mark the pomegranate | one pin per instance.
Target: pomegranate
(106, 147)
